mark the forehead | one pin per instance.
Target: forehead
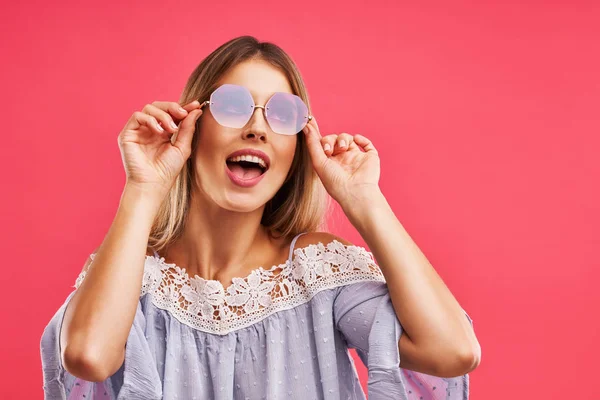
(259, 77)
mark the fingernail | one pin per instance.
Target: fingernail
(327, 147)
(173, 125)
(181, 109)
(342, 143)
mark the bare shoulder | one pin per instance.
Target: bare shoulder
(320, 237)
(89, 260)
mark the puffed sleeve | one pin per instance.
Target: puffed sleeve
(365, 316)
(136, 379)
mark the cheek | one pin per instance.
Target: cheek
(208, 147)
(286, 155)
(211, 137)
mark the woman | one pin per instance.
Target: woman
(223, 196)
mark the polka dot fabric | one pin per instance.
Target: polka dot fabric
(296, 350)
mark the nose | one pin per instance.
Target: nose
(257, 127)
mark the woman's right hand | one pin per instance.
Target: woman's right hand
(150, 158)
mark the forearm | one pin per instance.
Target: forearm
(429, 313)
(99, 316)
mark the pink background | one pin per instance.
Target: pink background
(485, 117)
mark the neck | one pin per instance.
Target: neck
(216, 241)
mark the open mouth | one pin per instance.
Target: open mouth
(246, 169)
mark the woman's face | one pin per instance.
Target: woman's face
(216, 143)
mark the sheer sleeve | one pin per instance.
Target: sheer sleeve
(367, 320)
(136, 379)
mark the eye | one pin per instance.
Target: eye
(236, 107)
(283, 112)
(283, 117)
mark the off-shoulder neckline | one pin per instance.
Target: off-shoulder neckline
(209, 306)
(165, 265)
(257, 270)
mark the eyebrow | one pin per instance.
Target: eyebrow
(253, 94)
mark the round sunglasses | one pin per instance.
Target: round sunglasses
(232, 106)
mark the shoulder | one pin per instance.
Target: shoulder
(320, 237)
(339, 263)
(341, 250)
(90, 259)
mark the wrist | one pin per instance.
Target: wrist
(143, 199)
(147, 191)
(364, 208)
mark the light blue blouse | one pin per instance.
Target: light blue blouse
(279, 333)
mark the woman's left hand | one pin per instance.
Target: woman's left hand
(349, 167)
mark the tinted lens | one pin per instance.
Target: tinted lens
(231, 105)
(286, 113)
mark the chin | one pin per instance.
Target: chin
(242, 203)
(230, 196)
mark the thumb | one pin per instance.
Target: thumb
(183, 137)
(315, 149)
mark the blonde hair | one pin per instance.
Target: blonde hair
(301, 203)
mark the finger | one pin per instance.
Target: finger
(191, 105)
(164, 117)
(328, 143)
(313, 124)
(174, 107)
(187, 129)
(365, 143)
(139, 119)
(175, 110)
(353, 146)
(313, 142)
(314, 121)
(344, 140)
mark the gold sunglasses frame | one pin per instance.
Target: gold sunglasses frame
(207, 103)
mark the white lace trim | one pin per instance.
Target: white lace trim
(207, 306)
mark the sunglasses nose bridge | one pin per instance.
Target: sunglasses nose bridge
(264, 114)
(254, 107)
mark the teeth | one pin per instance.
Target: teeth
(249, 158)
